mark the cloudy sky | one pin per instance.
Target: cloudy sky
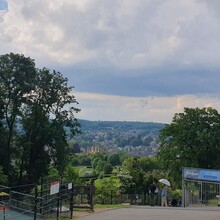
(129, 60)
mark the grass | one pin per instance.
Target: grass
(114, 206)
(213, 202)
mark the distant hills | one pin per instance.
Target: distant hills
(122, 125)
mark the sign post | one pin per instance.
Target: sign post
(55, 189)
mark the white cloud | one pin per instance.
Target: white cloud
(125, 34)
(119, 108)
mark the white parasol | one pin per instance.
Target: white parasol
(165, 182)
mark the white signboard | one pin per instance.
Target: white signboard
(70, 185)
(54, 187)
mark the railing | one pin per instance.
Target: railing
(201, 193)
(37, 201)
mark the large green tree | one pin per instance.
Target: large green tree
(17, 74)
(191, 140)
(49, 119)
(37, 116)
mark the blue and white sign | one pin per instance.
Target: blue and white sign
(200, 174)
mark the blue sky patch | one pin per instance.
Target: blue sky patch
(3, 5)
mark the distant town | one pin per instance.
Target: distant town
(136, 138)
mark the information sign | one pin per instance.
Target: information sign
(54, 187)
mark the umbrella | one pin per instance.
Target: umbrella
(3, 194)
(165, 182)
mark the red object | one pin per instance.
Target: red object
(169, 202)
(2, 208)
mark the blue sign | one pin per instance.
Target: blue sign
(199, 174)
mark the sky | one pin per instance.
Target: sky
(128, 60)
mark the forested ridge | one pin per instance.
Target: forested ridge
(151, 127)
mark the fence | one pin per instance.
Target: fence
(42, 201)
(201, 193)
(201, 187)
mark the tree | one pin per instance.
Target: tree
(147, 140)
(107, 168)
(131, 167)
(192, 139)
(100, 166)
(17, 74)
(114, 159)
(148, 164)
(136, 141)
(46, 121)
(3, 177)
(36, 118)
(95, 162)
(126, 181)
(70, 174)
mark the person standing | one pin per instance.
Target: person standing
(164, 196)
(152, 189)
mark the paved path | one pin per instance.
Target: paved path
(157, 213)
(13, 215)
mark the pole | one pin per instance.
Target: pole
(183, 189)
(71, 203)
(111, 196)
(92, 191)
(201, 198)
(4, 212)
(58, 204)
(41, 195)
(35, 203)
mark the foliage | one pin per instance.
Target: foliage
(53, 174)
(36, 118)
(191, 140)
(126, 181)
(17, 74)
(100, 166)
(3, 177)
(148, 164)
(105, 189)
(114, 159)
(107, 168)
(70, 174)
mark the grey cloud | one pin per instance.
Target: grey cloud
(116, 31)
(163, 82)
(126, 47)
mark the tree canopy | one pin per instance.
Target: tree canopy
(37, 109)
(191, 140)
